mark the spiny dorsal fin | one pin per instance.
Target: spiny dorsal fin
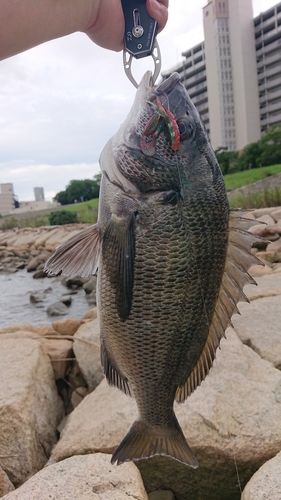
(118, 251)
(238, 260)
(77, 256)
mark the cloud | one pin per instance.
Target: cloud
(61, 102)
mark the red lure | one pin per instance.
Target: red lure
(154, 127)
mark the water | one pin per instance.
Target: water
(16, 307)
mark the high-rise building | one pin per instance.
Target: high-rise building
(39, 194)
(268, 53)
(7, 198)
(234, 76)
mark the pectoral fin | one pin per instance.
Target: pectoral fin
(118, 251)
(78, 255)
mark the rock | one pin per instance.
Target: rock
(30, 407)
(75, 282)
(89, 477)
(161, 495)
(59, 350)
(266, 482)
(39, 274)
(17, 327)
(276, 214)
(267, 257)
(235, 413)
(90, 285)
(259, 327)
(259, 212)
(10, 270)
(67, 300)
(32, 265)
(67, 326)
(268, 286)
(77, 396)
(91, 314)
(267, 219)
(35, 298)
(91, 298)
(5, 483)
(87, 354)
(257, 271)
(275, 246)
(57, 309)
(20, 265)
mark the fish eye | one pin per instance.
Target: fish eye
(185, 128)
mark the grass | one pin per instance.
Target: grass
(239, 179)
(257, 199)
(87, 213)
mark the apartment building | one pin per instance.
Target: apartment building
(268, 54)
(7, 198)
(234, 76)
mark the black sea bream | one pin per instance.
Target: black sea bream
(172, 261)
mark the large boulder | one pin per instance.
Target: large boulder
(87, 351)
(266, 482)
(259, 324)
(5, 483)
(88, 477)
(231, 421)
(30, 408)
(67, 326)
(57, 309)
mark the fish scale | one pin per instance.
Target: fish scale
(172, 261)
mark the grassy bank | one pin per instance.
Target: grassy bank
(87, 213)
(240, 179)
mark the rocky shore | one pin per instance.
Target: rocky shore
(60, 421)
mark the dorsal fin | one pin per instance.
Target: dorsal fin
(238, 260)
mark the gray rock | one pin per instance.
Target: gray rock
(32, 265)
(259, 327)
(75, 282)
(161, 495)
(87, 354)
(90, 285)
(20, 265)
(66, 300)
(88, 477)
(57, 309)
(266, 482)
(35, 298)
(30, 407)
(232, 420)
(5, 484)
(39, 274)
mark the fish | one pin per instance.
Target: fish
(172, 261)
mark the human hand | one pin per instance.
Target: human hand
(107, 30)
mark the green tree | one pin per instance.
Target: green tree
(271, 146)
(61, 198)
(80, 190)
(250, 156)
(62, 217)
(228, 160)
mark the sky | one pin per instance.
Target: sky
(60, 102)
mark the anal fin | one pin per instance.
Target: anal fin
(113, 376)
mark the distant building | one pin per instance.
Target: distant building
(234, 76)
(39, 194)
(7, 198)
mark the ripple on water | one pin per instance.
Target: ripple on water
(17, 308)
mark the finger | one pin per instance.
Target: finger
(158, 10)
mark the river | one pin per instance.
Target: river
(15, 302)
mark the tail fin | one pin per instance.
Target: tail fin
(144, 441)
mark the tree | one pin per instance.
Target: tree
(250, 156)
(271, 146)
(228, 160)
(62, 217)
(80, 190)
